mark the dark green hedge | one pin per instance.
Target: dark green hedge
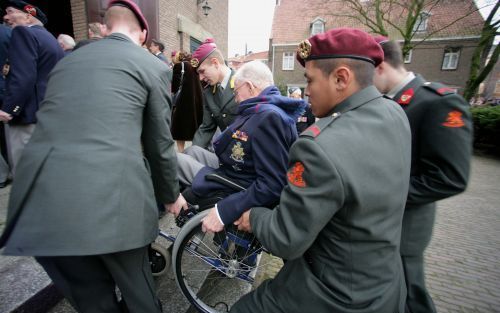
(487, 128)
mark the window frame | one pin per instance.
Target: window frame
(408, 57)
(450, 51)
(290, 61)
(422, 22)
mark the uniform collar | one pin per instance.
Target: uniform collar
(227, 75)
(356, 100)
(396, 89)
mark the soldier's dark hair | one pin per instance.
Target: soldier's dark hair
(392, 53)
(363, 71)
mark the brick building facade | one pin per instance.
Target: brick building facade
(180, 24)
(444, 55)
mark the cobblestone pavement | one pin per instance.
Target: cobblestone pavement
(463, 267)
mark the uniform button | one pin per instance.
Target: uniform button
(212, 115)
(223, 115)
(427, 83)
(335, 114)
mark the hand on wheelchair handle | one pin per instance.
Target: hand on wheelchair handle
(243, 222)
(176, 207)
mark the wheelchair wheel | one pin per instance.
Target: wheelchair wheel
(212, 270)
(159, 259)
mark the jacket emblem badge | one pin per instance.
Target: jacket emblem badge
(241, 135)
(237, 153)
(454, 119)
(406, 96)
(294, 175)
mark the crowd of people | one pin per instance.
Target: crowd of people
(342, 186)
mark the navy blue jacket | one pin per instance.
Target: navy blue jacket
(253, 151)
(33, 53)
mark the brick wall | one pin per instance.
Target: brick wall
(196, 24)
(79, 13)
(427, 60)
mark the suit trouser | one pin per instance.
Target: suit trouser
(88, 282)
(192, 160)
(416, 235)
(17, 137)
(418, 299)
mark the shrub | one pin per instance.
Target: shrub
(487, 128)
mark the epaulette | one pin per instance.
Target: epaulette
(439, 88)
(315, 129)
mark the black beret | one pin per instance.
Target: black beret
(28, 8)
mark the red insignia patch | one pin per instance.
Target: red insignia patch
(314, 129)
(30, 9)
(454, 119)
(406, 96)
(295, 175)
(445, 90)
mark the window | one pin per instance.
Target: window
(317, 26)
(421, 23)
(288, 61)
(407, 59)
(450, 60)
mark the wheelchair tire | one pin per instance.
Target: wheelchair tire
(209, 277)
(159, 259)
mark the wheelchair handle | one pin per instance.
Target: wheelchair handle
(224, 181)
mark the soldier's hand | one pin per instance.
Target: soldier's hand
(243, 222)
(176, 207)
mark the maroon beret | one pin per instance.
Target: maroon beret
(129, 4)
(203, 51)
(28, 8)
(381, 39)
(348, 43)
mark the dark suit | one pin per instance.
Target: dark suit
(5, 33)
(33, 53)
(84, 188)
(441, 129)
(339, 219)
(219, 110)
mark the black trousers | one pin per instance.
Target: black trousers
(418, 299)
(88, 282)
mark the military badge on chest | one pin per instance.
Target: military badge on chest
(237, 155)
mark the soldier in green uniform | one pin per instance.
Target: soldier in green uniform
(339, 219)
(441, 128)
(219, 107)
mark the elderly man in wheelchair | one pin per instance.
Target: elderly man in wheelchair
(249, 165)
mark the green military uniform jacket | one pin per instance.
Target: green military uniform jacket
(441, 127)
(83, 186)
(218, 111)
(339, 219)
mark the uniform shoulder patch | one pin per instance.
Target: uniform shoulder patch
(315, 129)
(440, 89)
(454, 120)
(295, 175)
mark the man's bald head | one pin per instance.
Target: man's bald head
(120, 19)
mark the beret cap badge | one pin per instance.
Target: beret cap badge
(194, 62)
(30, 10)
(304, 49)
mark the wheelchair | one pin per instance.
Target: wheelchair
(212, 270)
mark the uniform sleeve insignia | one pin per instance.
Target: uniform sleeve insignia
(406, 96)
(304, 49)
(30, 10)
(195, 62)
(241, 135)
(237, 153)
(445, 90)
(295, 175)
(314, 129)
(454, 119)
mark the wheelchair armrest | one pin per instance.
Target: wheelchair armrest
(224, 181)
